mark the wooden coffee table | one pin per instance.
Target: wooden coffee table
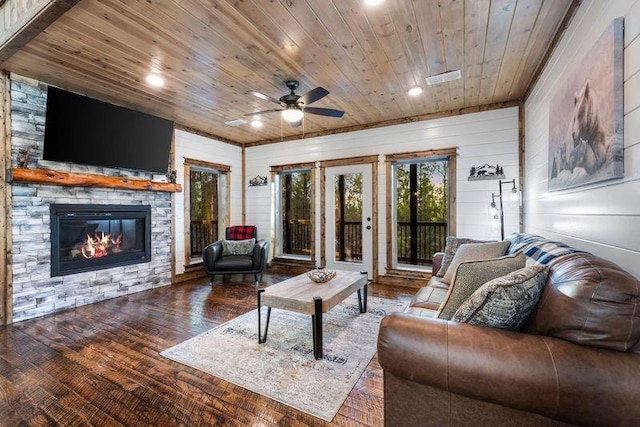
(302, 295)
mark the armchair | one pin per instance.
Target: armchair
(236, 254)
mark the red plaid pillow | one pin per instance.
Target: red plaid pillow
(241, 232)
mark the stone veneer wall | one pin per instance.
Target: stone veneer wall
(35, 292)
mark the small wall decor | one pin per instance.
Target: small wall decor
(258, 181)
(23, 156)
(586, 117)
(486, 171)
(172, 176)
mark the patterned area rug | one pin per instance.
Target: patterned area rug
(284, 368)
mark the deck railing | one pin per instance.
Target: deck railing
(431, 238)
(202, 233)
(297, 237)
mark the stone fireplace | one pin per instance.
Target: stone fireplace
(95, 237)
(45, 279)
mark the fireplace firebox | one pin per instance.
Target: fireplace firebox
(95, 237)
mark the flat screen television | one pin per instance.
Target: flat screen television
(83, 130)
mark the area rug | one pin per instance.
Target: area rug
(284, 368)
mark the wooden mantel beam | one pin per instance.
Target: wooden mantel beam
(24, 20)
(50, 177)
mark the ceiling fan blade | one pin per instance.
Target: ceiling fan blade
(313, 95)
(296, 124)
(265, 97)
(324, 112)
(257, 113)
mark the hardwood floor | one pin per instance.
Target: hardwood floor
(100, 365)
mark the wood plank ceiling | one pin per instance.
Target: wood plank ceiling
(212, 53)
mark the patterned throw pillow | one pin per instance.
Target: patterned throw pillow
(238, 247)
(505, 302)
(452, 245)
(538, 249)
(474, 252)
(473, 274)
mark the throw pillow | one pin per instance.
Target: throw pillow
(452, 245)
(238, 247)
(241, 232)
(473, 274)
(474, 252)
(505, 302)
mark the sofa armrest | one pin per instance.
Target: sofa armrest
(437, 262)
(210, 255)
(259, 256)
(543, 375)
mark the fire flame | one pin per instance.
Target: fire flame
(100, 245)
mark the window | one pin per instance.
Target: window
(294, 211)
(421, 214)
(205, 208)
(348, 206)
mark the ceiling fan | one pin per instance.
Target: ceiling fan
(294, 106)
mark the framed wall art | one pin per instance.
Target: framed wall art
(586, 117)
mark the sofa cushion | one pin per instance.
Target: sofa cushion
(234, 263)
(431, 296)
(505, 302)
(238, 247)
(473, 274)
(474, 252)
(452, 245)
(589, 301)
(420, 311)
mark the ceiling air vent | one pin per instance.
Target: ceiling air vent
(444, 77)
(237, 122)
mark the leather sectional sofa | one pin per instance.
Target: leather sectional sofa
(575, 362)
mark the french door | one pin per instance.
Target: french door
(349, 218)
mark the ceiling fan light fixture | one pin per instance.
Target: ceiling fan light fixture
(292, 115)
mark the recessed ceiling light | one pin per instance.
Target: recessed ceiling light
(415, 91)
(155, 80)
(372, 2)
(256, 123)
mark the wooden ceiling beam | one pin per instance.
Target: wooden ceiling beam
(25, 20)
(412, 119)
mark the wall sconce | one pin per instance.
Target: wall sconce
(258, 181)
(497, 212)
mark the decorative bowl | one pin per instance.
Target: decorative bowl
(320, 275)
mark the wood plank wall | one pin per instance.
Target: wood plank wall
(602, 218)
(192, 146)
(484, 137)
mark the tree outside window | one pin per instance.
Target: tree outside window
(203, 209)
(296, 212)
(422, 209)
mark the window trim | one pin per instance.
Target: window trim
(390, 161)
(186, 191)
